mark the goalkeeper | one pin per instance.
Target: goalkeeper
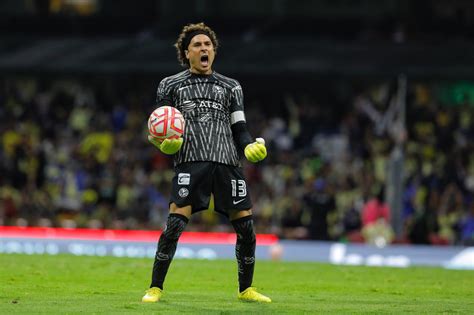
(207, 157)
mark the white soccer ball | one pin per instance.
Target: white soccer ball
(166, 122)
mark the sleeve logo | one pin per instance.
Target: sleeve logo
(184, 178)
(183, 192)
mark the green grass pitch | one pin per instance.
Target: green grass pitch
(107, 285)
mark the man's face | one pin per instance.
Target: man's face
(200, 54)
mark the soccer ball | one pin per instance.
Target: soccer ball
(166, 122)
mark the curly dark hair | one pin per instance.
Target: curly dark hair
(187, 30)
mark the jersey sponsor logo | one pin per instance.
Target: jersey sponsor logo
(236, 202)
(184, 178)
(211, 104)
(183, 192)
(205, 117)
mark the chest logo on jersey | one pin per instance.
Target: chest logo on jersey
(210, 104)
(187, 106)
(205, 117)
(218, 90)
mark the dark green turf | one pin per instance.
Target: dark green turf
(68, 284)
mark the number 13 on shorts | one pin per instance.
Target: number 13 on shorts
(239, 188)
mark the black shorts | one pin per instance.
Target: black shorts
(194, 182)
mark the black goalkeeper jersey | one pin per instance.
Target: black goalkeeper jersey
(210, 104)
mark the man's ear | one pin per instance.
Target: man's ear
(186, 53)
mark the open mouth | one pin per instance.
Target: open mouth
(205, 60)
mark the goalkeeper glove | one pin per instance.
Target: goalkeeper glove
(167, 146)
(256, 151)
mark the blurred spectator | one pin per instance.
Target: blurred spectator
(376, 209)
(376, 227)
(467, 227)
(319, 202)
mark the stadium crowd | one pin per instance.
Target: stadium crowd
(74, 153)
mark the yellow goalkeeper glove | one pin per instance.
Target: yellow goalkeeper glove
(167, 146)
(256, 151)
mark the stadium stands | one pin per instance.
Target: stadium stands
(78, 80)
(74, 154)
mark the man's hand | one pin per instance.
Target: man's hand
(167, 146)
(255, 152)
